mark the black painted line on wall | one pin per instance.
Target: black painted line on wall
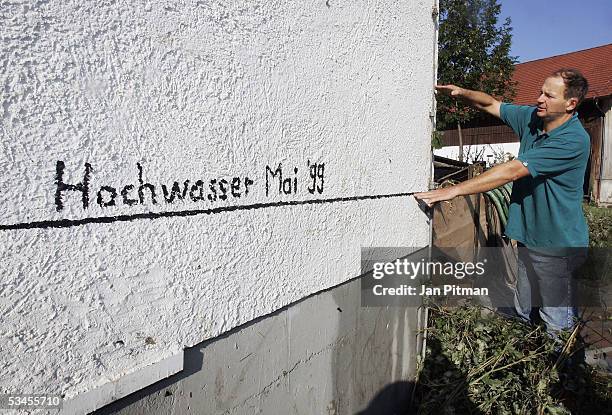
(67, 223)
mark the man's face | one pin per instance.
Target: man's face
(552, 102)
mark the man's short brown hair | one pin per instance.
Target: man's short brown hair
(576, 85)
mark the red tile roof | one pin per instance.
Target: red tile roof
(595, 64)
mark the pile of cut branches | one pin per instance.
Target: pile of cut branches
(599, 220)
(477, 362)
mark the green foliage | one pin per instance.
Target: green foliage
(600, 226)
(473, 52)
(598, 266)
(436, 140)
(477, 362)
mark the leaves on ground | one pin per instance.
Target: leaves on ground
(478, 362)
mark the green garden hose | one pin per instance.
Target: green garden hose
(499, 201)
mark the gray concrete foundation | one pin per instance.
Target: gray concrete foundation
(322, 355)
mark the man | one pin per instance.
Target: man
(545, 215)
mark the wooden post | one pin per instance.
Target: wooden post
(460, 141)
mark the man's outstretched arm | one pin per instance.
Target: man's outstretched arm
(477, 99)
(490, 179)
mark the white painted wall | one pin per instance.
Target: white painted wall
(195, 90)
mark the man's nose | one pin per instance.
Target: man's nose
(541, 99)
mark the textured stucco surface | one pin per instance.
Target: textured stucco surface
(196, 90)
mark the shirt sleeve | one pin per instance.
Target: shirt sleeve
(516, 117)
(556, 155)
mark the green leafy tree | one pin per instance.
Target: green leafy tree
(473, 52)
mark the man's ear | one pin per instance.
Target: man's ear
(571, 104)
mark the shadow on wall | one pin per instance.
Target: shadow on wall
(392, 399)
(395, 398)
(192, 364)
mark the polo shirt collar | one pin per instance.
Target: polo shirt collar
(558, 129)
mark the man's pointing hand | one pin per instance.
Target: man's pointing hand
(451, 90)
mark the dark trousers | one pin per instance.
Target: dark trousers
(546, 282)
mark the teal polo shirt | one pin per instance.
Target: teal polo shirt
(546, 206)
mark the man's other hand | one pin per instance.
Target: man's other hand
(437, 195)
(451, 90)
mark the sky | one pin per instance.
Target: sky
(546, 28)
